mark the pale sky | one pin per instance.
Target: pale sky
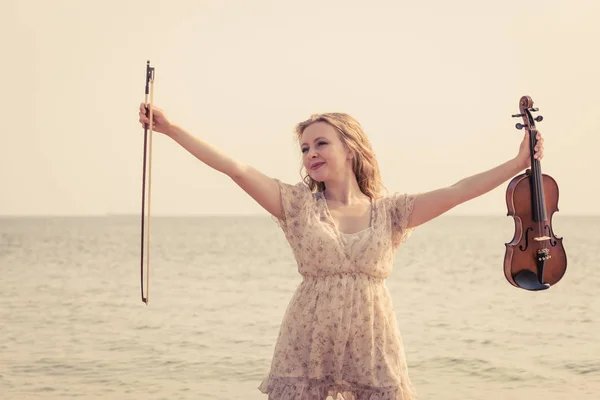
(434, 84)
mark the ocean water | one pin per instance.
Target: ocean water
(72, 324)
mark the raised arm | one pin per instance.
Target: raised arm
(431, 204)
(263, 189)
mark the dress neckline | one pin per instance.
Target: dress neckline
(332, 221)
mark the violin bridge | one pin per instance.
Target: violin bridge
(541, 238)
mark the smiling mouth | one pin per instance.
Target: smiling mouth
(317, 166)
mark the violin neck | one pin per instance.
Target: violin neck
(538, 206)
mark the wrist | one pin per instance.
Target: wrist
(520, 164)
(172, 130)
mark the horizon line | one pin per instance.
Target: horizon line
(108, 215)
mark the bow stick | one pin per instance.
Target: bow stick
(147, 150)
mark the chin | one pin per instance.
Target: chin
(319, 177)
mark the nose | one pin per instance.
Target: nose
(312, 153)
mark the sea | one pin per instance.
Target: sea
(72, 323)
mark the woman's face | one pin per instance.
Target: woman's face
(324, 155)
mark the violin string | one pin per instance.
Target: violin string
(535, 167)
(536, 211)
(543, 221)
(539, 197)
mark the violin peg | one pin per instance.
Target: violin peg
(517, 115)
(539, 118)
(520, 126)
(534, 109)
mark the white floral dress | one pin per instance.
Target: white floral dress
(339, 338)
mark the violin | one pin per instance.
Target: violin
(535, 259)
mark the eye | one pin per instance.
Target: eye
(304, 149)
(321, 142)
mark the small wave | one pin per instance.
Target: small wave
(480, 368)
(45, 389)
(147, 327)
(584, 368)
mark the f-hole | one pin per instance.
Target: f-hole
(526, 239)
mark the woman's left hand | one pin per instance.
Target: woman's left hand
(524, 156)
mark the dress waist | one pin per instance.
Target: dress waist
(354, 275)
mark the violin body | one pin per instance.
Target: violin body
(535, 259)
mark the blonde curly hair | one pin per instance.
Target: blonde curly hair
(364, 163)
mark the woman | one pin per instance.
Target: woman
(339, 337)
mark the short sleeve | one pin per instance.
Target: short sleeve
(401, 208)
(294, 200)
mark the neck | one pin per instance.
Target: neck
(345, 191)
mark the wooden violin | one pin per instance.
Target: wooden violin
(535, 259)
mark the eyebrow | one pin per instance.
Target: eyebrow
(320, 137)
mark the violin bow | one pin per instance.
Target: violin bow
(149, 92)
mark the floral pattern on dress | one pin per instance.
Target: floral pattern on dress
(339, 338)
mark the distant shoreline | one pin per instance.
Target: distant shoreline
(73, 216)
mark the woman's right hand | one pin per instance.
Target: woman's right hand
(160, 123)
